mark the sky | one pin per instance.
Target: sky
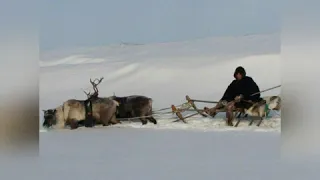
(83, 23)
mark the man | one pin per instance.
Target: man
(237, 95)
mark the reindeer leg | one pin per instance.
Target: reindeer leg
(89, 121)
(138, 113)
(239, 115)
(61, 125)
(81, 123)
(109, 117)
(114, 120)
(144, 121)
(260, 121)
(73, 124)
(238, 119)
(104, 121)
(152, 119)
(251, 122)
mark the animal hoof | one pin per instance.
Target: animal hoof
(88, 125)
(73, 126)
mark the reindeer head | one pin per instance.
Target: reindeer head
(49, 118)
(274, 102)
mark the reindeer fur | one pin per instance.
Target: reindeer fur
(73, 111)
(135, 106)
(258, 109)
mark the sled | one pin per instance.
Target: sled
(238, 111)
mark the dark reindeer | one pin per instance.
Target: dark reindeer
(135, 106)
(93, 110)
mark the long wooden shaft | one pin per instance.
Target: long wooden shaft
(265, 90)
(197, 100)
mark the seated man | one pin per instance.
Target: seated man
(238, 95)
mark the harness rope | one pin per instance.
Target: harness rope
(266, 110)
(89, 116)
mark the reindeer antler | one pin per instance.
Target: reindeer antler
(94, 85)
(88, 94)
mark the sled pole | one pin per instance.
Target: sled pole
(197, 100)
(166, 108)
(215, 102)
(265, 90)
(133, 118)
(191, 110)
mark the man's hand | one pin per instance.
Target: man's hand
(238, 98)
(224, 102)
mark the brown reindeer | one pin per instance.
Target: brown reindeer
(75, 112)
(135, 106)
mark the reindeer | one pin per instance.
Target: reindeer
(75, 112)
(135, 106)
(261, 109)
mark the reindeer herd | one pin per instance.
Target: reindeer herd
(97, 110)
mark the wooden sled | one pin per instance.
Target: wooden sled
(191, 104)
(187, 107)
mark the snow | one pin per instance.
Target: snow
(167, 72)
(121, 153)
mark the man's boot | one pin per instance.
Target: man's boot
(212, 112)
(229, 122)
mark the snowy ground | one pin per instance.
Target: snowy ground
(144, 154)
(203, 148)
